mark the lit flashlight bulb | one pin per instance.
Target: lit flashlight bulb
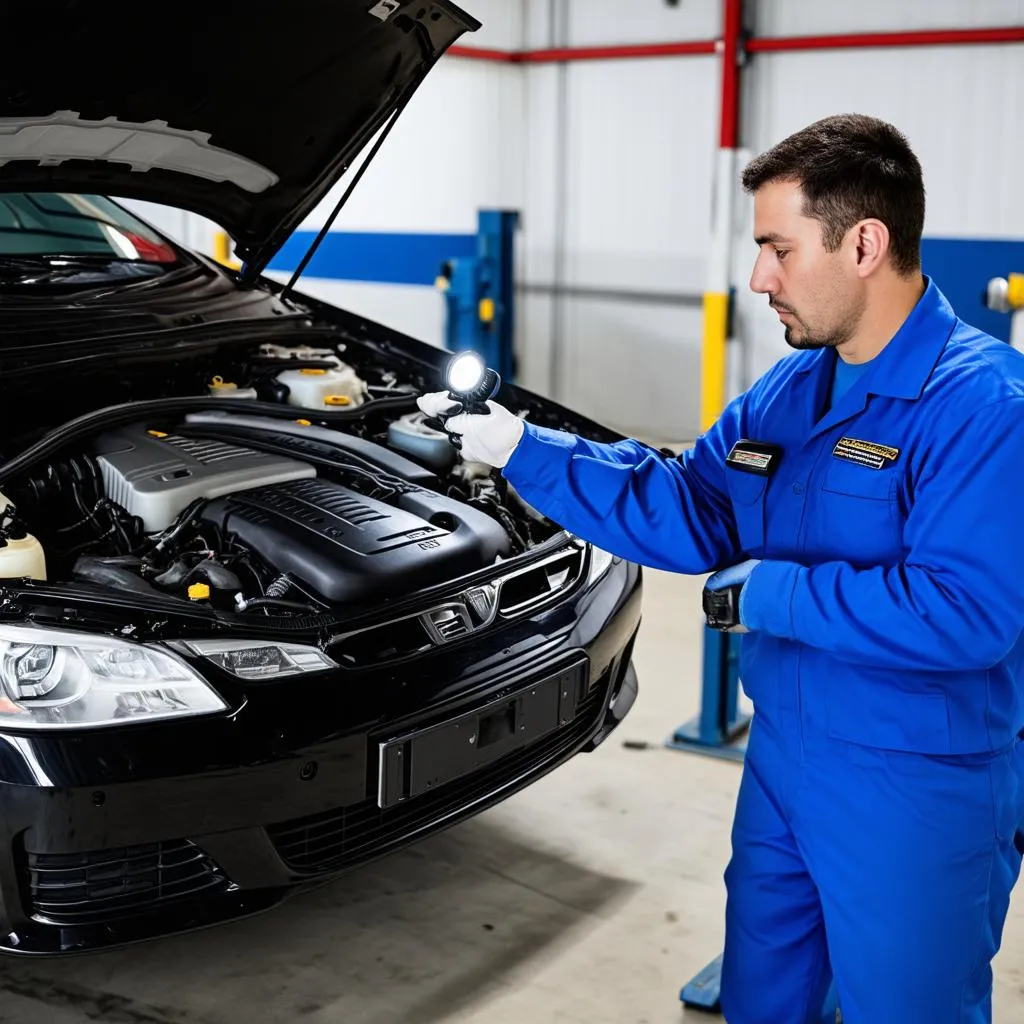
(471, 382)
(466, 373)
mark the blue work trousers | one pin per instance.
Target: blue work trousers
(890, 872)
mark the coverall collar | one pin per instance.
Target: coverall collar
(901, 369)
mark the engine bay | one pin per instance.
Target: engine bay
(308, 485)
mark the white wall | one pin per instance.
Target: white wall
(637, 139)
(812, 17)
(620, 165)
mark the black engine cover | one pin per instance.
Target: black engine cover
(349, 547)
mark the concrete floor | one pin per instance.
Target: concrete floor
(590, 898)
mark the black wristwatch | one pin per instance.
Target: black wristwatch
(722, 609)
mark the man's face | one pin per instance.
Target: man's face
(816, 293)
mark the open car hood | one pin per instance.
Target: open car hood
(244, 113)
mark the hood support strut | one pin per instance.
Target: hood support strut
(322, 233)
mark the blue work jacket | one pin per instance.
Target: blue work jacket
(889, 604)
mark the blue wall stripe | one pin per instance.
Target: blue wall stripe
(962, 268)
(369, 256)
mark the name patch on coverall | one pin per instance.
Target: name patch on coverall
(758, 457)
(865, 453)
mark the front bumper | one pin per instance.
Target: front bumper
(111, 838)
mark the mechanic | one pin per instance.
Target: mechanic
(866, 494)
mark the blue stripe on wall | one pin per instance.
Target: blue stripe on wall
(962, 268)
(369, 256)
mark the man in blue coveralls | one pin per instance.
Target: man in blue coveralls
(865, 499)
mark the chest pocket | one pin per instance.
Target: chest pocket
(747, 492)
(859, 520)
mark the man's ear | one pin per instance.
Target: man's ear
(871, 239)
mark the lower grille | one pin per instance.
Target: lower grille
(94, 887)
(347, 836)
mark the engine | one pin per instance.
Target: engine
(349, 547)
(156, 475)
(290, 483)
(260, 514)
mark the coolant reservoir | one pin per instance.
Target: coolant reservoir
(21, 555)
(319, 388)
(221, 388)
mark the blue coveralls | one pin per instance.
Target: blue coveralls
(874, 837)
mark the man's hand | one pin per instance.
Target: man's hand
(723, 596)
(489, 438)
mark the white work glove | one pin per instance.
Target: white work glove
(490, 438)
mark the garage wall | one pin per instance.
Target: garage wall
(454, 150)
(620, 168)
(631, 208)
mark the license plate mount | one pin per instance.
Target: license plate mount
(423, 760)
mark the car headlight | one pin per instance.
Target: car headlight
(52, 679)
(600, 562)
(259, 659)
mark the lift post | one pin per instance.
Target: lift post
(719, 727)
(479, 294)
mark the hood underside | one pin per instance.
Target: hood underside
(246, 114)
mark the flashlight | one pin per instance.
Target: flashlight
(471, 382)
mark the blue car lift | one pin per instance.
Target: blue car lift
(719, 727)
(479, 294)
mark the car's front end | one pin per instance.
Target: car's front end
(134, 829)
(270, 642)
(259, 623)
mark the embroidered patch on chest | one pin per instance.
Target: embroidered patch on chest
(758, 457)
(865, 453)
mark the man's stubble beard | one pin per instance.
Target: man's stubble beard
(839, 335)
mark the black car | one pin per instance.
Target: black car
(258, 623)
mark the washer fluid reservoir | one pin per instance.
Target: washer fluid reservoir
(20, 554)
(333, 388)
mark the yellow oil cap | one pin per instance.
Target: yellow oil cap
(199, 591)
(337, 400)
(312, 372)
(219, 383)
(304, 423)
(156, 433)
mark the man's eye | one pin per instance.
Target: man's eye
(781, 254)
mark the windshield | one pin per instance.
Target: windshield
(47, 224)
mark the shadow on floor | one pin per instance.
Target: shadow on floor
(408, 940)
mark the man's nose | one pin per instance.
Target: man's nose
(762, 280)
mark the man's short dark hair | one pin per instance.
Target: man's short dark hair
(850, 167)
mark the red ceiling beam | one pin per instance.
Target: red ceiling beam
(640, 50)
(864, 40)
(476, 53)
(703, 47)
(576, 53)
